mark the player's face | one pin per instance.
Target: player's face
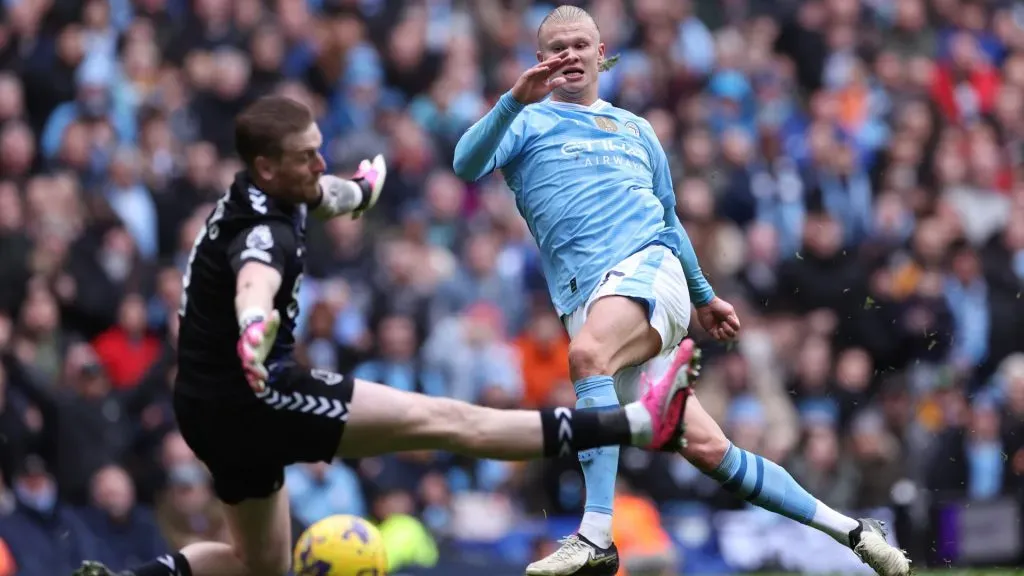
(294, 175)
(586, 52)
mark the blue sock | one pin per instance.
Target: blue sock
(764, 483)
(600, 465)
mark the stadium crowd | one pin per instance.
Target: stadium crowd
(848, 171)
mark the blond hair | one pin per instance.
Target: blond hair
(566, 14)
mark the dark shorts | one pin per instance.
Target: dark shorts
(247, 445)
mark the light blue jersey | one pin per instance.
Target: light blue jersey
(593, 184)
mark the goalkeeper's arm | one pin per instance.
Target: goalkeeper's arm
(258, 257)
(340, 196)
(258, 321)
(255, 288)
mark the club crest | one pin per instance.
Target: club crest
(606, 124)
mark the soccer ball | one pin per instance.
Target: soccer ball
(341, 545)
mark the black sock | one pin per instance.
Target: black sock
(568, 431)
(166, 565)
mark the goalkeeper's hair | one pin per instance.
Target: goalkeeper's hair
(261, 128)
(566, 14)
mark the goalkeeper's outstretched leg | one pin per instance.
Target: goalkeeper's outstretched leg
(247, 448)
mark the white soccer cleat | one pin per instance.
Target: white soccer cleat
(577, 557)
(868, 542)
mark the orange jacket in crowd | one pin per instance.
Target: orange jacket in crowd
(636, 528)
(7, 567)
(544, 367)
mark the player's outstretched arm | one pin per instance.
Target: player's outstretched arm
(258, 257)
(340, 196)
(255, 288)
(481, 150)
(476, 154)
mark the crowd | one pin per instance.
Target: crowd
(848, 171)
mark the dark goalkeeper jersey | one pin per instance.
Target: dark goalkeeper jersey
(245, 226)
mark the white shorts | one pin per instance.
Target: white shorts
(653, 276)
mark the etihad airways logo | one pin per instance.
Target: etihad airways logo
(616, 151)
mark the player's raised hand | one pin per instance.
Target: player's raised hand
(254, 345)
(537, 82)
(719, 318)
(370, 177)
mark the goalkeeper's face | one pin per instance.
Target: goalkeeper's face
(295, 174)
(586, 52)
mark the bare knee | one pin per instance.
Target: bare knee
(706, 451)
(586, 358)
(616, 334)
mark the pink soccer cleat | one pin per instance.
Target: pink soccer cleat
(665, 400)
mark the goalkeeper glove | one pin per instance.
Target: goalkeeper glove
(254, 344)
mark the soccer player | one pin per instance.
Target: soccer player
(246, 408)
(594, 186)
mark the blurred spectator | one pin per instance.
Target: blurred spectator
(7, 565)
(731, 378)
(820, 467)
(470, 352)
(967, 296)
(132, 203)
(879, 459)
(187, 510)
(127, 529)
(319, 490)
(397, 364)
(39, 514)
(544, 355)
(397, 288)
(406, 540)
(126, 351)
(87, 427)
(637, 528)
(479, 280)
(969, 461)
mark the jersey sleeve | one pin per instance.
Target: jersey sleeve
(491, 142)
(662, 175)
(512, 144)
(269, 243)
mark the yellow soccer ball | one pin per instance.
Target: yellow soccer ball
(341, 545)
